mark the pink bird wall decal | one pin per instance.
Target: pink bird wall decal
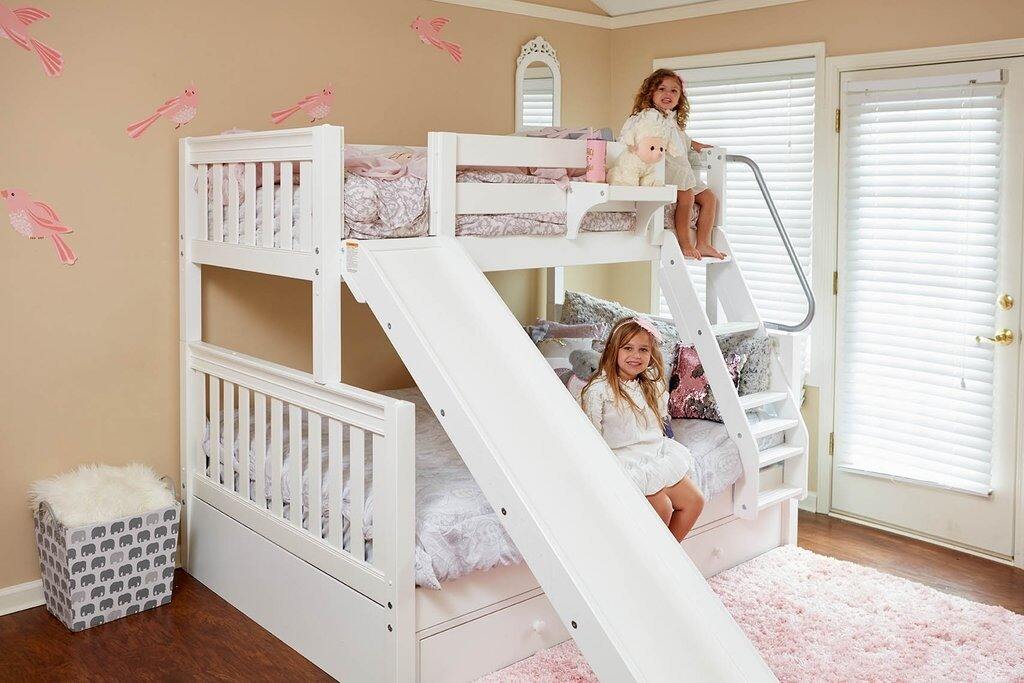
(37, 220)
(316, 106)
(180, 110)
(429, 32)
(12, 25)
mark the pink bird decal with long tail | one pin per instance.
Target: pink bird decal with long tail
(180, 110)
(12, 26)
(316, 106)
(429, 32)
(37, 220)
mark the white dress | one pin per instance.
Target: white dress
(651, 460)
(678, 170)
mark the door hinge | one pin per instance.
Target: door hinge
(838, 117)
(831, 443)
(835, 282)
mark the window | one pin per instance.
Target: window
(764, 111)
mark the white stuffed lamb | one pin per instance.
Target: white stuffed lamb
(646, 143)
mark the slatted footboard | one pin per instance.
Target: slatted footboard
(312, 470)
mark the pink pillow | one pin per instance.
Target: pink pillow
(691, 397)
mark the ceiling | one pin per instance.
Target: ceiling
(616, 8)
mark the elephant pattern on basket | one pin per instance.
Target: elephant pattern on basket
(101, 572)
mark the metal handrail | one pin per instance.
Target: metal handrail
(803, 324)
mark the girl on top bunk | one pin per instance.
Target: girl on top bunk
(662, 97)
(627, 400)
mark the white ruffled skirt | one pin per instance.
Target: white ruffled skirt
(653, 469)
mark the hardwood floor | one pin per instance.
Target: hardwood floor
(946, 570)
(198, 636)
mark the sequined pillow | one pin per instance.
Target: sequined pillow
(690, 395)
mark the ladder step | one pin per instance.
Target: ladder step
(732, 328)
(772, 426)
(766, 499)
(761, 398)
(707, 260)
(778, 454)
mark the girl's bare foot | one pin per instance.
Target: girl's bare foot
(709, 251)
(690, 251)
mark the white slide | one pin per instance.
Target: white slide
(634, 602)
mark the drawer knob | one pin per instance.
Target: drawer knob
(538, 625)
(716, 553)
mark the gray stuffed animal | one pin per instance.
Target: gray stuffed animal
(584, 365)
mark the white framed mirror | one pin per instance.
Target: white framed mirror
(538, 86)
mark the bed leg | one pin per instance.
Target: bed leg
(789, 521)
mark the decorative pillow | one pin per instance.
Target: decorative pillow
(549, 329)
(557, 351)
(691, 396)
(757, 371)
(584, 308)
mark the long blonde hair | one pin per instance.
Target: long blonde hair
(645, 96)
(652, 380)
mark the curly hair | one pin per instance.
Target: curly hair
(645, 96)
(652, 380)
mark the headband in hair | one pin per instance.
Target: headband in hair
(648, 327)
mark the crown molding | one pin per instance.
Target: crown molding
(701, 9)
(530, 9)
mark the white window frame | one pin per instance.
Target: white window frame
(825, 249)
(821, 276)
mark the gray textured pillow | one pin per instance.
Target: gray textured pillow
(584, 308)
(756, 373)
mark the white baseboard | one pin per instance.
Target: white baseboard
(810, 502)
(22, 596)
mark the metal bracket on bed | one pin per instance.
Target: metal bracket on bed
(584, 197)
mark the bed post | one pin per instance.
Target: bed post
(442, 149)
(328, 217)
(555, 293)
(190, 321)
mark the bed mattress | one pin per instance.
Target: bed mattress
(457, 531)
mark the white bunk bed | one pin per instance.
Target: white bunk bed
(351, 606)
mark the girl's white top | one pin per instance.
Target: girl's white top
(651, 460)
(678, 170)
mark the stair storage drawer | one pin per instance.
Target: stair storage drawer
(493, 641)
(735, 542)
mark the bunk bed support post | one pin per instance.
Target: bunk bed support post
(394, 549)
(442, 150)
(555, 292)
(190, 321)
(328, 215)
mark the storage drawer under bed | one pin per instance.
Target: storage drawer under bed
(478, 647)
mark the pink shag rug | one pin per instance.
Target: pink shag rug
(815, 618)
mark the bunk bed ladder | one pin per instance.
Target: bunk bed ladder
(698, 324)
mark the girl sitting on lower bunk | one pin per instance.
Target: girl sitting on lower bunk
(662, 95)
(627, 400)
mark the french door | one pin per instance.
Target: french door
(928, 305)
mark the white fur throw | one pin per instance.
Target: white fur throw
(97, 493)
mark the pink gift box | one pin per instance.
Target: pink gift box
(597, 151)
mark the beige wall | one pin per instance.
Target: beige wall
(90, 370)
(845, 27)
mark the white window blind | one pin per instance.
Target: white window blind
(765, 111)
(921, 160)
(538, 98)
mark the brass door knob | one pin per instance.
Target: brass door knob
(1005, 302)
(1004, 337)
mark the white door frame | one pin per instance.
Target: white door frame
(826, 213)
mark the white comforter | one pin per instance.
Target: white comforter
(457, 531)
